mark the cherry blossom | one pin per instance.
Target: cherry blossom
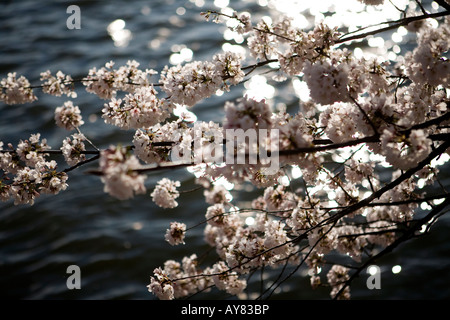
(165, 193)
(350, 163)
(68, 116)
(16, 90)
(175, 235)
(118, 167)
(58, 85)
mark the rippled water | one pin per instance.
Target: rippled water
(117, 244)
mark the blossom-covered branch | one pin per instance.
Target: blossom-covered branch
(364, 117)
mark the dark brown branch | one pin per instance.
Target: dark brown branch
(443, 4)
(406, 236)
(429, 123)
(406, 175)
(396, 24)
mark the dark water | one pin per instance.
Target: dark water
(117, 244)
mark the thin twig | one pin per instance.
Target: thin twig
(396, 24)
(406, 235)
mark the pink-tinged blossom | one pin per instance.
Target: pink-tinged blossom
(140, 109)
(32, 151)
(160, 285)
(165, 193)
(191, 83)
(327, 82)
(227, 280)
(322, 239)
(175, 137)
(407, 153)
(372, 2)
(350, 245)
(263, 243)
(294, 134)
(52, 181)
(24, 189)
(58, 84)
(246, 114)
(29, 183)
(357, 171)
(207, 140)
(337, 276)
(15, 90)
(245, 22)
(278, 199)
(178, 280)
(119, 175)
(228, 65)
(175, 235)
(261, 43)
(340, 121)
(427, 64)
(68, 116)
(217, 194)
(73, 148)
(107, 81)
(304, 45)
(216, 215)
(101, 82)
(143, 146)
(9, 161)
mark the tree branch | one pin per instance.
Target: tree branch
(406, 235)
(396, 24)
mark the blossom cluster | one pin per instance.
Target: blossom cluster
(68, 116)
(27, 173)
(15, 90)
(73, 149)
(427, 63)
(58, 84)
(336, 80)
(139, 109)
(119, 173)
(175, 235)
(107, 81)
(363, 114)
(165, 193)
(190, 83)
(178, 280)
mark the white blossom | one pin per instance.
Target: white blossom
(68, 116)
(245, 22)
(337, 276)
(228, 65)
(372, 2)
(119, 174)
(140, 109)
(175, 235)
(165, 193)
(58, 85)
(218, 194)
(191, 83)
(160, 285)
(107, 81)
(15, 90)
(246, 114)
(32, 151)
(72, 149)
